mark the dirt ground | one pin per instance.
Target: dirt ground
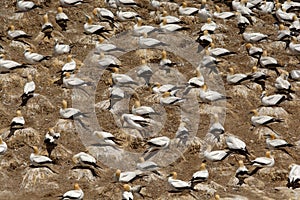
(42, 112)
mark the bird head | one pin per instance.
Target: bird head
(268, 154)
(164, 13)
(203, 166)
(249, 45)
(89, 19)
(184, 4)
(118, 173)
(11, 28)
(205, 32)
(173, 175)
(67, 75)
(139, 21)
(217, 9)
(59, 10)
(19, 113)
(265, 53)
(241, 163)
(75, 159)
(204, 87)
(35, 149)
(76, 186)
(164, 22)
(163, 54)
(64, 104)
(254, 112)
(166, 94)
(29, 77)
(208, 20)
(272, 136)
(254, 69)
(100, 39)
(126, 187)
(45, 18)
(95, 11)
(137, 103)
(1, 141)
(231, 70)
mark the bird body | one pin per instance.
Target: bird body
(3, 146)
(267, 161)
(37, 159)
(76, 194)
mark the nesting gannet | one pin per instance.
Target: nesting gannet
(209, 26)
(216, 128)
(105, 47)
(111, 3)
(145, 72)
(70, 81)
(294, 176)
(104, 14)
(254, 37)
(107, 138)
(258, 77)
(47, 26)
(217, 155)
(3, 146)
(69, 113)
(76, 194)
(146, 42)
(242, 22)
(167, 99)
(170, 19)
(281, 14)
(235, 144)
(8, 65)
(201, 175)
(83, 159)
(61, 48)
(161, 89)
(294, 74)
(294, 47)
(18, 121)
(156, 144)
(127, 176)
(283, 33)
(233, 78)
(127, 194)
(204, 12)
(67, 3)
(290, 5)
(143, 111)
(207, 95)
(194, 82)
(253, 51)
(24, 6)
(168, 28)
(210, 62)
(127, 3)
(125, 16)
(268, 62)
(107, 62)
(61, 19)
(90, 28)
(135, 121)
(69, 66)
(281, 82)
(272, 100)
(29, 88)
(241, 173)
(184, 10)
(37, 159)
(182, 134)
(147, 166)
(16, 34)
(295, 26)
(273, 142)
(205, 39)
(34, 58)
(116, 94)
(258, 120)
(218, 52)
(178, 184)
(50, 140)
(243, 9)
(267, 161)
(139, 29)
(266, 7)
(222, 15)
(121, 79)
(165, 62)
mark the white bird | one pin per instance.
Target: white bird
(18, 121)
(294, 176)
(51, 136)
(155, 145)
(69, 113)
(241, 173)
(104, 14)
(147, 166)
(194, 82)
(71, 81)
(127, 176)
(267, 7)
(169, 28)
(182, 133)
(165, 63)
(283, 33)
(3, 146)
(222, 15)
(254, 37)
(217, 155)
(258, 77)
(281, 82)
(34, 58)
(282, 16)
(201, 175)
(266, 61)
(210, 95)
(258, 120)
(37, 159)
(145, 72)
(121, 79)
(143, 111)
(205, 39)
(167, 99)
(24, 6)
(127, 3)
(29, 88)
(61, 19)
(139, 29)
(135, 121)
(290, 5)
(233, 78)
(125, 16)
(295, 26)
(242, 22)
(178, 184)
(209, 26)
(274, 143)
(69, 66)
(47, 26)
(218, 52)
(235, 144)
(127, 194)
(253, 51)
(170, 19)
(294, 47)
(90, 28)
(204, 12)
(272, 100)
(105, 47)
(76, 194)
(267, 161)
(216, 128)
(294, 74)
(107, 62)
(84, 159)
(146, 42)
(157, 88)
(16, 34)
(106, 137)
(67, 3)
(61, 48)
(187, 11)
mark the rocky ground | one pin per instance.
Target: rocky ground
(19, 180)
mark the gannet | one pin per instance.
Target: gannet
(218, 52)
(18, 121)
(281, 82)
(61, 48)
(34, 58)
(139, 29)
(216, 128)
(258, 120)
(167, 99)
(3, 146)
(233, 78)
(147, 166)
(37, 159)
(127, 3)
(294, 176)
(127, 194)
(254, 52)
(90, 28)
(209, 62)
(194, 82)
(107, 137)
(294, 74)
(155, 145)
(182, 133)
(170, 19)
(235, 144)
(210, 95)
(104, 14)
(204, 12)
(165, 62)
(205, 39)
(242, 172)
(24, 6)
(16, 34)
(116, 94)
(161, 89)
(184, 10)
(47, 27)
(69, 113)
(135, 121)
(146, 42)
(125, 16)
(281, 14)
(121, 79)
(272, 100)
(145, 72)
(242, 22)
(84, 159)
(215, 156)
(168, 28)
(71, 81)
(76, 194)
(61, 19)
(8, 65)
(268, 62)
(67, 3)
(294, 47)
(273, 142)
(295, 26)
(127, 176)
(201, 175)
(290, 5)
(222, 15)
(69, 66)
(178, 184)
(267, 161)
(105, 47)
(254, 37)
(29, 88)
(283, 33)
(243, 9)
(259, 77)
(107, 62)
(266, 7)
(50, 140)
(143, 111)
(209, 26)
